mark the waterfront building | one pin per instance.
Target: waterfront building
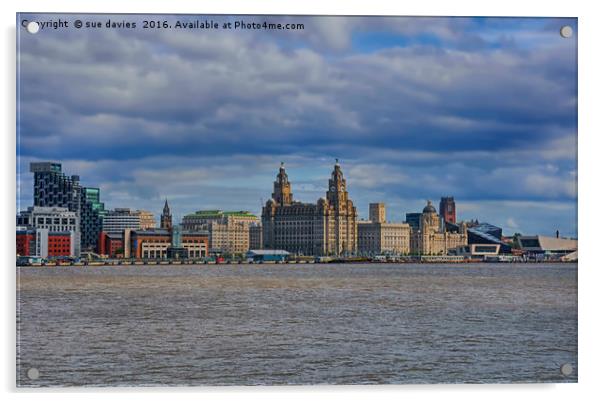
(432, 237)
(266, 255)
(447, 209)
(92, 213)
(45, 243)
(117, 220)
(485, 233)
(58, 223)
(166, 220)
(229, 231)
(546, 247)
(160, 243)
(52, 188)
(147, 219)
(377, 236)
(413, 220)
(327, 227)
(255, 236)
(111, 244)
(478, 251)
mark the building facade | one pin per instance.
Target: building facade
(110, 245)
(229, 231)
(432, 237)
(413, 220)
(377, 236)
(52, 188)
(147, 219)
(378, 213)
(92, 213)
(255, 236)
(156, 244)
(59, 223)
(327, 227)
(117, 220)
(45, 243)
(447, 209)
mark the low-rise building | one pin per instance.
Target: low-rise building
(267, 255)
(48, 231)
(546, 247)
(478, 251)
(155, 243)
(45, 243)
(111, 245)
(229, 231)
(377, 236)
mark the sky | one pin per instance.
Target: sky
(415, 108)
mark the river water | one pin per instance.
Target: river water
(296, 324)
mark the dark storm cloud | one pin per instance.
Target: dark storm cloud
(483, 109)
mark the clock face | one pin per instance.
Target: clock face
(332, 188)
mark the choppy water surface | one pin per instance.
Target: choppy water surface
(296, 324)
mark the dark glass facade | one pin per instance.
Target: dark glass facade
(413, 219)
(53, 188)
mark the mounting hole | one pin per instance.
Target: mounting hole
(33, 374)
(566, 369)
(566, 31)
(33, 27)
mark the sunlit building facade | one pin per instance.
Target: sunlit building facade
(327, 227)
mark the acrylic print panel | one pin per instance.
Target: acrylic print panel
(271, 200)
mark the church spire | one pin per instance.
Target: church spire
(166, 222)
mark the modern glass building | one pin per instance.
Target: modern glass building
(92, 213)
(52, 188)
(413, 219)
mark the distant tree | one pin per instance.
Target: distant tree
(515, 244)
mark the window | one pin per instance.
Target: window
(485, 248)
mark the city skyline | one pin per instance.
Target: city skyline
(191, 117)
(178, 217)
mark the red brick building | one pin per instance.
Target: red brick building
(447, 209)
(25, 242)
(154, 244)
(110, 245)
(44, 243)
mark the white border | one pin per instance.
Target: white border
(590, 205)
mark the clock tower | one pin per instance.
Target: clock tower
(282, 188)
(337, 188)
(344, 215)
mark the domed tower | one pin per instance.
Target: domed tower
(166, 217)
(429, 221)
(282, 188)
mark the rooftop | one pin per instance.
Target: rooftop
(267, 252)
(220, 213)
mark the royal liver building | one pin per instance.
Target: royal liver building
(328, 227)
